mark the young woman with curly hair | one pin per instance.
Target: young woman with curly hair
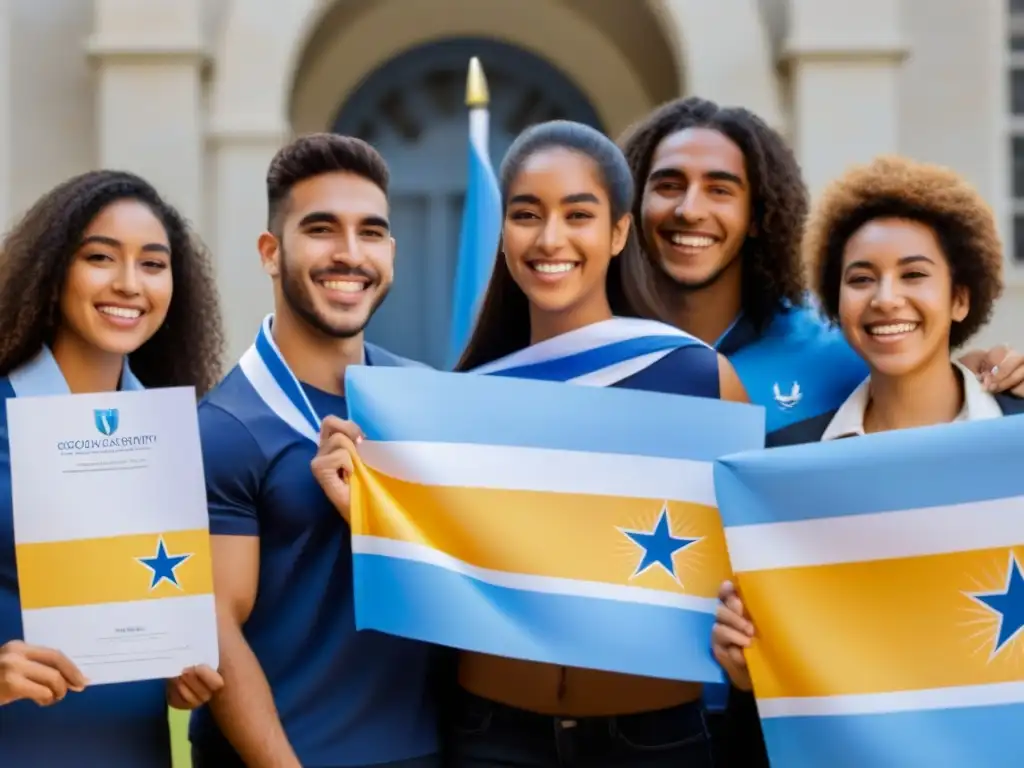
(906, 259)
(102, 287)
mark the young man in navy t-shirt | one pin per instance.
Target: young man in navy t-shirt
(303, 688)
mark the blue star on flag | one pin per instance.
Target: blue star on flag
(659, 545)
(163, 565)
(1008, 605)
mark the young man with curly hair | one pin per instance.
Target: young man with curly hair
(905, 257)
(720, 211)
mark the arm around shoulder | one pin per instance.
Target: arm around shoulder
(729, 385)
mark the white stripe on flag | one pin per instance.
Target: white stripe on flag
(470, 465)
(898, 701)
(877, 536)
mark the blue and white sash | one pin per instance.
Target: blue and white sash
(597, 355)
(41, 376)
(268, 373)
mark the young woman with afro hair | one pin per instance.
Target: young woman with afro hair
(906, 260)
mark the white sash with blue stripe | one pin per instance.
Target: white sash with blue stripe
(597, 355)
(268, 373)
(41, 376)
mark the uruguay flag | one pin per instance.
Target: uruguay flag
(884, 577)
(570, 525)
(481, 217)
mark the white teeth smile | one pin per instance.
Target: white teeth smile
(553, 268)
(691, 241)
(892, 329)
(345, 286)
(125, 312)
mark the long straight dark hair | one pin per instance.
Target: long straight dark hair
(503, 325)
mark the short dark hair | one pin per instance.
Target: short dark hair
(313, 155)
(34, 260)
(504, 322)
(772, 271)
(896, 187)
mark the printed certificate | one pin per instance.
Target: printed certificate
(111, 531)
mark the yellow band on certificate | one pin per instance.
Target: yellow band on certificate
(114, 569)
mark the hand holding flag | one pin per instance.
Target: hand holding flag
(333, 464)
(731, 636)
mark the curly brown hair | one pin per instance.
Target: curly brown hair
(34, 260)
(896, 187)
(773, 274)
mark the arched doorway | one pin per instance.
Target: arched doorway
(412, 110)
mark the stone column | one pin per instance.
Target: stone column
(241, 152)
(725, 54)
(150, 56)
(844, 60)
(258, 45)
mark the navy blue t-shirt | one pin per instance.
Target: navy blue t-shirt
(121, 725)
(344, 697)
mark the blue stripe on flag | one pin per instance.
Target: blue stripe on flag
(491, 410)
(478, 246)
(905, 469)
(532, 625)
(571, 366)
(966, 737)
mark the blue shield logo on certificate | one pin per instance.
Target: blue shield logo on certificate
(106, 420)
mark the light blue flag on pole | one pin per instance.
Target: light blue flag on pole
(481, 217)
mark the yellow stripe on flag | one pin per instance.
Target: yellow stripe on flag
(558, 535)
(112, 570)
(834, 626)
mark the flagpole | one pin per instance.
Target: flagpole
(481, 215)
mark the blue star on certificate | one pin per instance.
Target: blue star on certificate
(659, 545)
(1007, 604)
(163, 565)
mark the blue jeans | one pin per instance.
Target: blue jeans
(486, 734)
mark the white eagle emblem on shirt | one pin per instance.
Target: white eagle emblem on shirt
(790, 400)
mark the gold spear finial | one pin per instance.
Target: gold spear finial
(476, 85)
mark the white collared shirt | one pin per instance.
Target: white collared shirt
(849, 419)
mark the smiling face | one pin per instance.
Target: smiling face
(334, 261)
(559, 237)
(897, 301)
(119, 284)
(696, 207)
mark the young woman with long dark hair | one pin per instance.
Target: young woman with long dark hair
(554, 300)
(102, 287)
